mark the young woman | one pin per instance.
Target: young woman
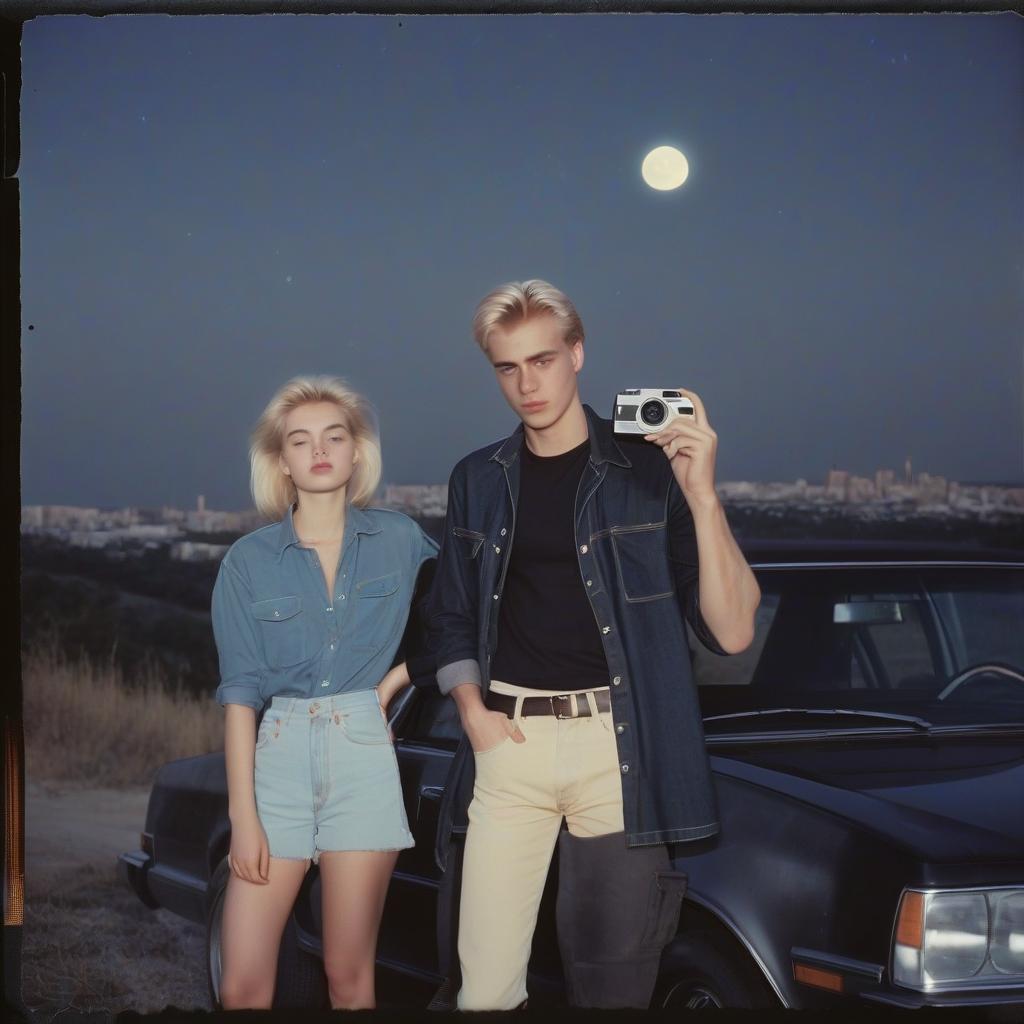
(308, 614)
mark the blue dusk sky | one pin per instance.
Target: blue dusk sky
(211, 205)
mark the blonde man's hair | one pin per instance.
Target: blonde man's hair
(272, 490)
(520, 300)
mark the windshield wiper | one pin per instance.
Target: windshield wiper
(917, 723)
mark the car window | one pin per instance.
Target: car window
(896, 652)
(431, 718)
(884, 639)
(734, 669)
(983, 625)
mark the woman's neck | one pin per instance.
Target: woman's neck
(320, 517)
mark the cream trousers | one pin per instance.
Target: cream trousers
(566, 768)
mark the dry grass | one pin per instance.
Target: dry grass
(88, 724)
(91, 945)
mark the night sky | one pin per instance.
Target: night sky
(211, 205)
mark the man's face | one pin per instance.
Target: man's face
(536, 369)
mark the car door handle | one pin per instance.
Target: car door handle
(432, 794)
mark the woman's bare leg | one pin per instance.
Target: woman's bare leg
(254, 919)
(354, 884)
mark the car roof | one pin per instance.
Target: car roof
(817, 551)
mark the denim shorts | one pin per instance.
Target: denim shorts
(327, 777)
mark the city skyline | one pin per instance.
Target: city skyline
(839, 486)
(839, 278)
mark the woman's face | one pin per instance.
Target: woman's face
(318, 451)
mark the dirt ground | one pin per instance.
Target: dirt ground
(89, 942)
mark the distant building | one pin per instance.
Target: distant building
(417, 499)
(884, 479)
(192, 551)
(931, 490)
(836, 484)
(70, 517)
(31, 517)
(736, 490)
(210, 521)
(860, 488)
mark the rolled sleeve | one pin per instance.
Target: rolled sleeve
(239, 650)
(683, 556)
(457, 672)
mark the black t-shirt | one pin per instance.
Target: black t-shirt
(547, 634)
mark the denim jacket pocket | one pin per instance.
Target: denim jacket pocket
(283, 628)
(468, 542)
(641, 561)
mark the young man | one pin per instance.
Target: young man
(570, 556)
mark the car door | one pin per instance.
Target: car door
(427, 729)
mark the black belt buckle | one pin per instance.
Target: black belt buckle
(563, 696)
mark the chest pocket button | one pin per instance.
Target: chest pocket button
(283, 629)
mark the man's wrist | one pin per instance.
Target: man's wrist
(703, 504)
(468, 699)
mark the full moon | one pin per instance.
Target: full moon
(665, 168)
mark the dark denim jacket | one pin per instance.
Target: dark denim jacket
(637, 551)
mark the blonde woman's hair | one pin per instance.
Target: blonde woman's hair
(520, 300)
(272, 490)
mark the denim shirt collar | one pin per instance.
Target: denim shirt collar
(354, 516)
(602, 443)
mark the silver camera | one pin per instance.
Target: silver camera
(647, 410)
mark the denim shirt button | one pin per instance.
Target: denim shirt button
(583, 549)
(616, 680)
(503, 531)
(620, 728)
(606, 629)
(625, 768)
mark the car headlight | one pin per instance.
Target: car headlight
(959, 938)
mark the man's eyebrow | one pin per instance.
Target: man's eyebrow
(303, 430)
(529, 359)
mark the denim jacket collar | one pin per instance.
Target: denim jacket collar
(286, 536)
(602, 443)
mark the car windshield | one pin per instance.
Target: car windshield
(944, 645)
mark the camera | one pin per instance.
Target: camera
(647, 410)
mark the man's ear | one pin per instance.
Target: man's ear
(577, 356)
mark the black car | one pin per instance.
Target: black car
(868, 757)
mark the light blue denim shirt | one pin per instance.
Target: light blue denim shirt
(278, 631)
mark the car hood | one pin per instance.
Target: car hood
(943, 799)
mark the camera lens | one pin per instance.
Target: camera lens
(653, 413)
